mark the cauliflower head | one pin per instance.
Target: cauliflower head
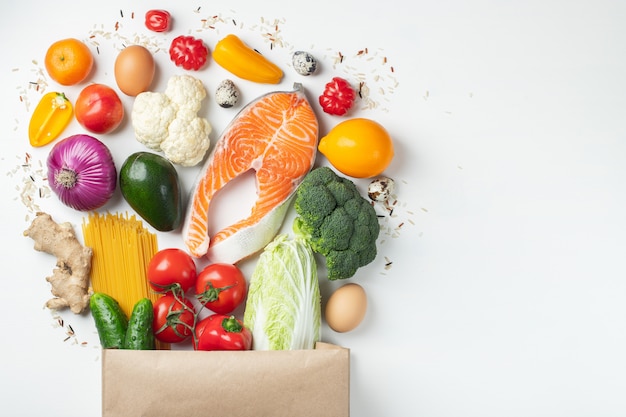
(151, 117)
(186, 92)
(188, 139)
(169, 121)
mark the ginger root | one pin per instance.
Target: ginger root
(70, 279)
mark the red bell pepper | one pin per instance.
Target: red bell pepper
(222, 332)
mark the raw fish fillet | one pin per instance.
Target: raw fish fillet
(275, 136)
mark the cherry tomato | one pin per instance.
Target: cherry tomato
(221, 287)
(172, 269)
(222, 332)
(99, 109)
(174, 319)
(158, 20)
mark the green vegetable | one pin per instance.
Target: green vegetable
(111, 322)
(139, 335)
(149, 183)
(283, 307)
(336, 221)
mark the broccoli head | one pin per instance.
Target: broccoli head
(336, 221)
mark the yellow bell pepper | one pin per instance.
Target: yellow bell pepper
(50, 118)
(238, 58)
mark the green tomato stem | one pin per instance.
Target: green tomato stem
(211, 293)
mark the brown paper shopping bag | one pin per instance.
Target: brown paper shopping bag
(296, 383)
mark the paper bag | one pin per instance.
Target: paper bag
(297, 383)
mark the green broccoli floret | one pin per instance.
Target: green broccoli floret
(336, 221)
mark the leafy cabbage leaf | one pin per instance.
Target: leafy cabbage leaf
(283, 307)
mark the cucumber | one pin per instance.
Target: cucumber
(150, 185)
(111, 322)
(139, 335)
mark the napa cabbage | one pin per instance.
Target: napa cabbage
(283, 308)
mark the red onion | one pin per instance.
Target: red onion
(81, 172)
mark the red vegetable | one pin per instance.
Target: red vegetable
(222, 332)
(174, 319)
(221, 287)
(81, 172)
(158, 20)
(99, 109)
(171, 269)
(338, 97)
(188, 52)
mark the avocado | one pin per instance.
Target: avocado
(149, 183)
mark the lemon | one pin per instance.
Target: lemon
(358, 147)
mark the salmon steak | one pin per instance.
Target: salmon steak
(275, 136)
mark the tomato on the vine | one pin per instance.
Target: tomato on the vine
(221, 287)
(171, 269)
(174, 319)
(222, 332)
(99, 109)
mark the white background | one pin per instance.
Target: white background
(506, 293)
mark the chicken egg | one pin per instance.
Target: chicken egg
(346, 308)
(134, 70)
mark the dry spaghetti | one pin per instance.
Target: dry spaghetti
(122, 249)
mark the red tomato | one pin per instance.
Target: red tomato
(174, 319)
(170, 270)
(221, 287)
(222, 332)
(158, 20)
(99, 109)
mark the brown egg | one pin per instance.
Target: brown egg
(346, 308)
(134, 70)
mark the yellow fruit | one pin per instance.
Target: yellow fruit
(359, 147)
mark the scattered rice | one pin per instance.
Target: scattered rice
(70, 335)
(32, 184)
(120, 40)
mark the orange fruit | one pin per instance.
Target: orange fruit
(68, 61)
(359, 147)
